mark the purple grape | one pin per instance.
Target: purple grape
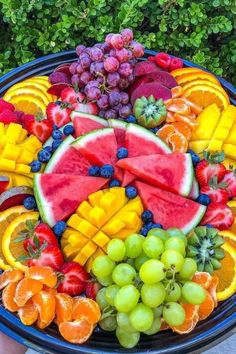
(112, 53)
(117, 41)
(125, 69)
(73, 68)
(137, 49)
(93, 83)
(86, 76)
(87, 50)
(122, 55)
(98, 45)
(114, 98)
(103, 102)
(105, 48)
(131, 78)
(84, 55)
(127, 35)
(117, 107)
(79, 69)
(75, 80)
(123, 83)
(93, 93)
(97, 68)
(79, 49)
(101, 79)
(85, 62)
(111, 64)
(108, 38)
(102, 113)
(113, 79)
(111, 114)
(124, 97)
(96, 54)
(133, 62)
(125, 111)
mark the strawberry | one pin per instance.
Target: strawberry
(216, 192)
(4, 105)
(46, 256)
(73, 279)
(92, 289)
(219, 216)
(230, 179)
(8, 117)
(90, 107)
(209, 167)
(58, 113)
(40, 128)
(24, 119)
(72, 96)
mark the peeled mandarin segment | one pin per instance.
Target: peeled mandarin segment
(85, 308)
(177, 91)
(64, 308)
(164, 325)
(182, 108)
(178, 142)
(45, 303)
(46, 275)
(170, 117)
(192, 123)
(183, 128)
(206, 308)
(8, 297)
(194, 107)
(165, 131)
(213, 289)
(10, 276)
(76, 332)
(28, 314)
(202, 278)
(190, 311)
(51, 291)
(26, 289)
(187, 326)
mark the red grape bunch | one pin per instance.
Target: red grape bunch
(104, 71)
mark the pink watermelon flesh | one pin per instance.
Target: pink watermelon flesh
(128, 178)
(119, 130)
(59, 195)
(152, 88)
(85, 123)
(172, 172)
(145, 67)
(169, 209)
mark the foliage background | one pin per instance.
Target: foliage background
(203, 31)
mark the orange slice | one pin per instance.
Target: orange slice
(45, 275)
(202, 278)
(29, 104)
(10, 276)
(202, 75)
(28, 90)
(203, 82)
(183, 71)
(8, 297)
(76, 332)
(46, 306)
(64, 308)
(85, 308)
(229, 236)
(178, 142)
(25, 289)
(28, 314)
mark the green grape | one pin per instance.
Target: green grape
(108, 324)
(193, 293)
(133, 245)
(173, 314)
(123, 274)
(172, 260)
(155, 328)
(126, 298)
(105, 281)
(157, 311)
(173, 293)
(127, 340)
(116, 250)
(153, 295)
(176, 244)
(102, 266)
(110, 293)
(124, 323)
(162, 234)
(101, 299)
(130, 261)
(140, 260)
(152, 271)
(153, 246)
(141, 317)
(174, 232)
(188, 269)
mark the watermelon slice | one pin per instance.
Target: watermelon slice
(66, 159)
(59, 195)
(194, 193)
(120, 130)
(172, 172)
(169, 209)
(85, 123)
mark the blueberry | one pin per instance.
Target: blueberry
(131, 192)
(55, 127)
(131, 119)
(147, 216)
(122, 153)
(209, 226)
(144, 231)
(35, 166)
(56, 144)
(57, 134)
(68, 130)
(44, 155)
(157, 226)
(58, 103)
(94, 171)
(29, 203)
(114, 183)
(107, 171)
(203, 199)
(195, 158)
(59, 228)
(154, 130)
(48, 148)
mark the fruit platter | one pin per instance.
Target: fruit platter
(117, 202)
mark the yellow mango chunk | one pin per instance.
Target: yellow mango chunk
(70, 252)
(74, 221)
(78, 240)
(13, 132)
(215, 145)
(198, 146)
(7, 165)
(94, 198)
(108, 203)
(32, 144)
(207, 122)
(85, 253)
(11, 152)
(101, 239)
(113, 227)
(231, 138)
(230, 150)
(97, 216)
(1, 129)
(25, 157)
(84, 209)
(229, 162)
(22, 168)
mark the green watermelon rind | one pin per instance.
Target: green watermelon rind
(135, 129)
(187, 182)
(58, 154)
(50, 140)
(194, 192)
(44, 208)
(90, 116)
(115, 123)
(195, 219)
(83, 140)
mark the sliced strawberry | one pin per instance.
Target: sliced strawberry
(90, 107)
(8, 117)
(230, 179)
(4, 105)
(58, 113)
(40, 128)
(216, 191)
(72, 96)
(210, 167)
(46, 256)
(218, 215)
(73, 279)
(92, 289)
(24, 119)
(57, 89)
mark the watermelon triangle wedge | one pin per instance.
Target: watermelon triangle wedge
(172, 172)
(120, 131)
(59, 195)
(169, 209)
(85, 123)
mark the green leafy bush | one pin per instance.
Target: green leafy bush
(203, 31)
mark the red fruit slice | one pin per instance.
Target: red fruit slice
(128, 178)
(58, 77)
(144, 68)
(219, 216)
(138, 81)
(172, 172)
(163, 78)
(64, 68)
(119, 130)
(56, 89)
(85, 123)
(4, 181)
(169, 209)
(59, 195)
(154, 89)
(14, 196)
